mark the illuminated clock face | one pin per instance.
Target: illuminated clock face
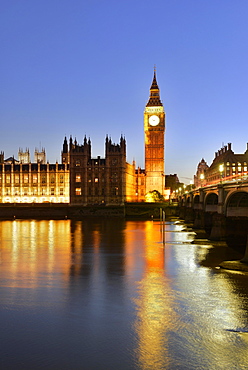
(154, 120)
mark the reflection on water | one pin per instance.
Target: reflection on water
(108, 294)
(155, 314)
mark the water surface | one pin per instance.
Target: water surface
(109, 294)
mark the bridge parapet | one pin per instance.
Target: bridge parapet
(221, 209)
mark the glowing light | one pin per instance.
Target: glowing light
(221, 167)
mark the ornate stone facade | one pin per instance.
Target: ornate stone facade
(83, 180)
(226, 166)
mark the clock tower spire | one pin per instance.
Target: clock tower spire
(154, 129)
(154, 99)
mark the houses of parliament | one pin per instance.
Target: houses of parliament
(82, 180)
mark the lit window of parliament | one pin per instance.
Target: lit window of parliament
(83, 180)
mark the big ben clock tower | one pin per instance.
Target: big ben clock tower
(154, 127)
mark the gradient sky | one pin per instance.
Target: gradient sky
(76, 67)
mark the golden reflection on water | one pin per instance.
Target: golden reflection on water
(23, 243)
(181, 308)
(154, 304)
(200, 314)
(76, 247)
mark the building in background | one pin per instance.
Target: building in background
(26, 182)
(201, 174)
(83, 180)
(24, 157)
(154, 129)
(111, 180)
(101, 181)
(226, 166)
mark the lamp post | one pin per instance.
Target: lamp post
(202, 177)
(221, 169)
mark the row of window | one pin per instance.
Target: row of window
(236, 164)
(34, 178)
(77, 163)
(25, 191)
(114, 191)
(113, 178)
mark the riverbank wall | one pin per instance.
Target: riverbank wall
(67, 211)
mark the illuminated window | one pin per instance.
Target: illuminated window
(7, 191)
(43, 191)
(7, 179)
(52, 179)
(78, 191)
(245, 169)
(25, 191)
(61, 179)
(43, 179)
(96, 179)
(34, 191)
(52, 191)
(77, 163)
(89, 180)
(25, 179)
(61, 191)
(17, 179)
(0, 178)
(16, 191)
(35, 178)
(78, 177)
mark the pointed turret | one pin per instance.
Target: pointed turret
(65, 146)
(154, 99)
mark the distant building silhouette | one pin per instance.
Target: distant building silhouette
(226, 165)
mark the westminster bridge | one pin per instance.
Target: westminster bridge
(221, 209)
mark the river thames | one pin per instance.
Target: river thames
(109, 294)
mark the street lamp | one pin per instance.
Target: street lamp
(221, 169)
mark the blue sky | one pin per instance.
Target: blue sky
(85, 67)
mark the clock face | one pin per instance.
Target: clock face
(154, 120)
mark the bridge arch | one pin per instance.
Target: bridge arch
(188, 201)
(237, 204)
(196, 199)
(211, 202)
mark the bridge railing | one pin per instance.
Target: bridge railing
(243, 176)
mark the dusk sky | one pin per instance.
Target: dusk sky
(85, 67)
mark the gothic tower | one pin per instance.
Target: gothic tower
(154, 128)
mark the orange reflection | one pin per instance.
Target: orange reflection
(155, 314)
(22, 250)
